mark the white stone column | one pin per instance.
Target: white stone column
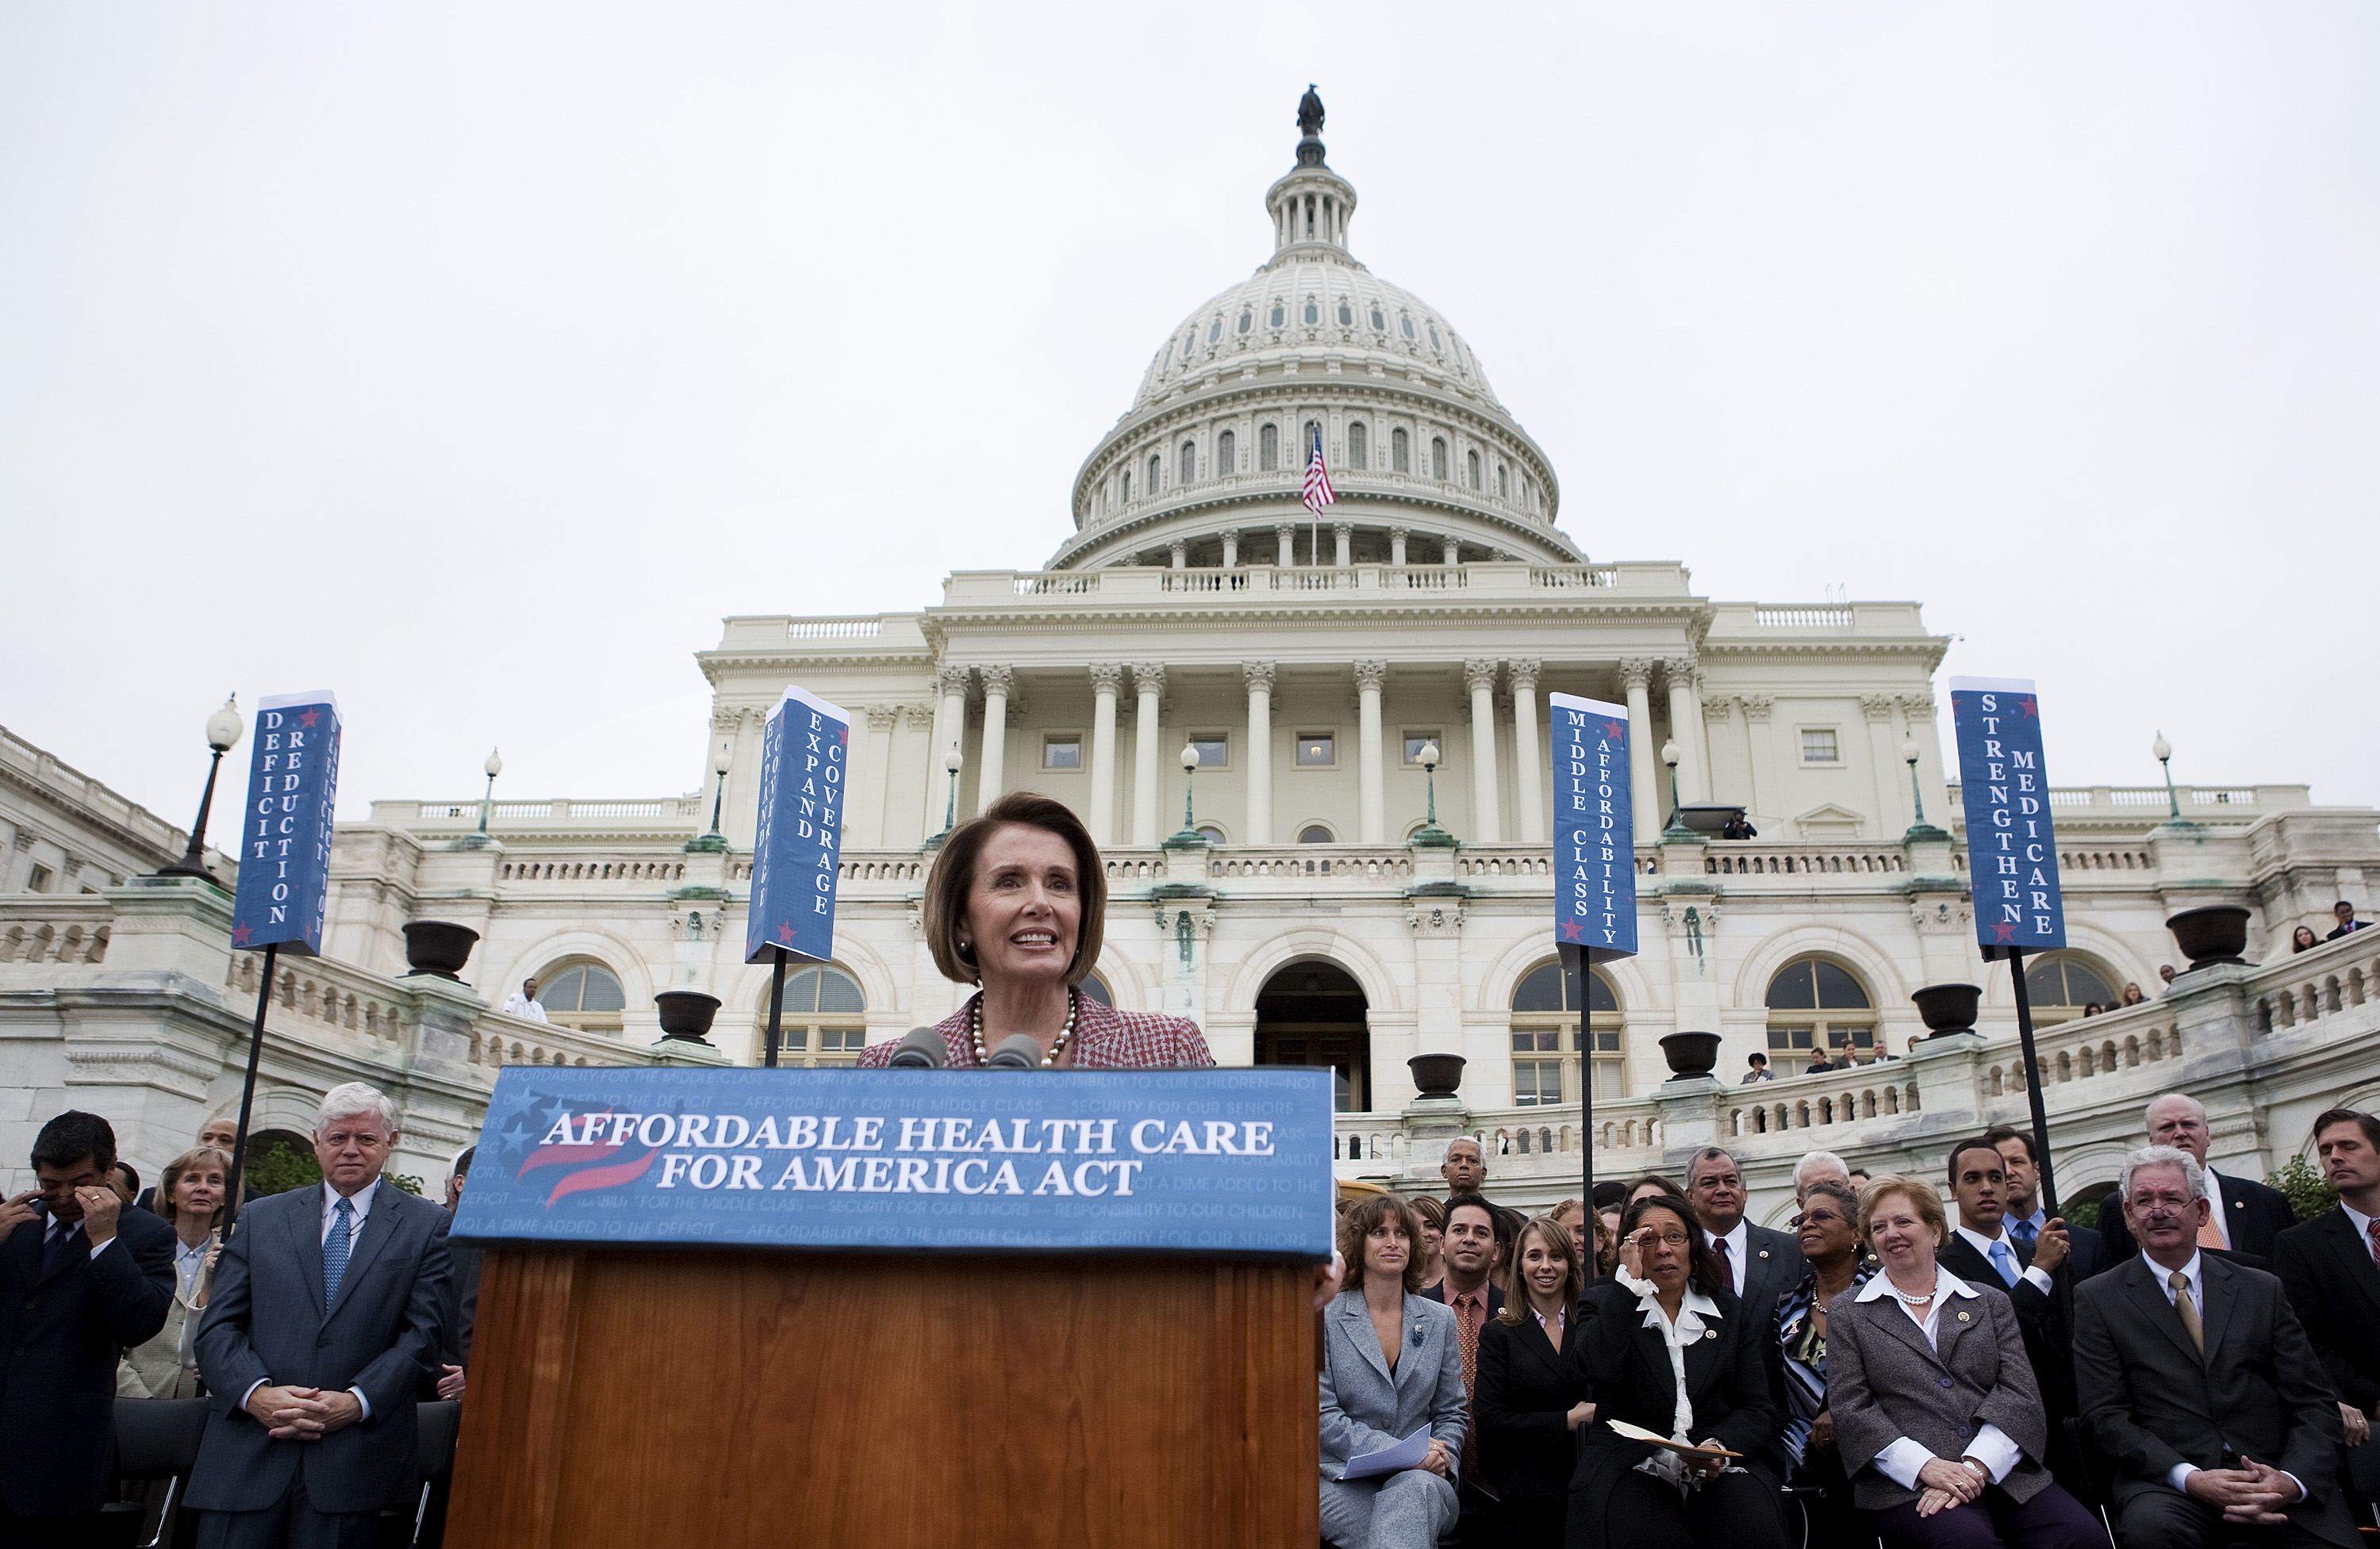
(1106, 678)
(1258, 677)
(1180, 554)
(1479, 677)
(1452, 550)
(1651, 797)
(1686, 727)
(992, 771)
(1230, 551)
(1891, 774)
(1528, 772)
(950, 725)
(1371, 780)
(876, 776)
(1148, 684)
(1397, 546)
(1762, 743)
(1342, 535)
(1285, 533)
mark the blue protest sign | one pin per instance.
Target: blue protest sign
(2011, 851)
(1205, 1162)
(1595, 845)
(284, 846)
(803, 757)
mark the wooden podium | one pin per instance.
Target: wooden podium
(727, 1400)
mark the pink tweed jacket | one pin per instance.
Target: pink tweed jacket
(1105, 1039)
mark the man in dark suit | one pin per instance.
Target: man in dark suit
(2344, 912)
(1469, 1289)
(80, 1277)
(323, 1327)
(1761, 1266)
(2244, 1217)
(2331, 1266)
(2086, 1251)
(2200, 1384)
(462, 1289)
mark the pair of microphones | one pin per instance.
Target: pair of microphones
(923, 1050)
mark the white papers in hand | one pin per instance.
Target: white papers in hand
(1406, 1454)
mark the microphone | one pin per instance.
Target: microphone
(920, 1050)
(1019, 1053)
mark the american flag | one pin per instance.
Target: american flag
(1318, 494)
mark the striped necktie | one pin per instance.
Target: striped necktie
(336, 1248)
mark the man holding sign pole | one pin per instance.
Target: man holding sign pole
(1595, 867)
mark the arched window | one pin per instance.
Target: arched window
(1189, 463)
(1346, 315)
(1096, 988)
(1313, 311)
(1279, 315)
(1471, 460)
(1438, 458)
(825, 1023)
(1408, 327)
(2060, 984)
(1189, 343)
(1814, 1004)
(1433, 338)
(1545, 1037)
(1400, 451)
(1359, 447)
(1126, 499)
(1379, 324)
(1156, 472)
(1227, 454)
(1215, 331)
(1503, 483)
(1268, 448)
(1312, 434)
(1211, 833)
(582, 993)
(1314, 833)
(1247, 321)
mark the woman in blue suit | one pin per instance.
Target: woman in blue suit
(1390, 1362)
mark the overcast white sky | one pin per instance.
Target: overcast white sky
(474, 360)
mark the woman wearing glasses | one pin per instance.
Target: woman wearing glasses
(1828, 1231)
(1664, 1346)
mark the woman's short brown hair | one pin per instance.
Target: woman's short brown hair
(1367, 1218)
(188, 1161)
(1431, 1209)
(1924, 1195)
(953, 874)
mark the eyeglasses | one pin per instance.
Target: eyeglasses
(1813, 1217)
(1665, 1239)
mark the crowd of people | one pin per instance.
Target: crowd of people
(1651, 1370)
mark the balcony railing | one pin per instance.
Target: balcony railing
(1507, 579)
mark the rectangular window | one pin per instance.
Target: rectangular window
(1317, 750)
(841, 1043)
(38, 880)
(1790, 1040)
(1062, 753)
(1536, 1083)
(1418, 738)
(1818, 746)
(1214, 749)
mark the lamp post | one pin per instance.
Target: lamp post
(493, 767)
(1921, 829)
(1676, 833)
(2164, 751)
(1429, 833)
(223, 727)
(953, 762)
(714, 841)
(1189, 834)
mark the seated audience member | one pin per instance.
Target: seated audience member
(2244, 1217)
(190, 1198)
(323, 1328)
(2086, 1251)
(1828, 1229)
(2344, 912)
(1936, 1417)
(1818, 1167)
(2200, 1384)
(1528, 1401)
(1759, 1071)
(1378, 1324)
(84, 1276)
(2328, 1266)
(1433, 1238)
(1759, 1264)
(1470, 1292)
(1667, 1345)
(2303, 939)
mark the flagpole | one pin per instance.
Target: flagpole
(248, 1090)
(2033, 1082)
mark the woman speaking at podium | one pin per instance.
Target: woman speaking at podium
(1017, 903)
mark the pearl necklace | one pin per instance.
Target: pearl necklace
(975, 1030)
(1907, 1299)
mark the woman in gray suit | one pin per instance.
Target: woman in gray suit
(1390, 1362)
(1937, 1417)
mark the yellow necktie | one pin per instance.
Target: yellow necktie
(2189, 1310)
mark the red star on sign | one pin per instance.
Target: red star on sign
(309, 718)
(786, 932)
(2005, 932)
(1571, 931)
(2029, 708)
(1615, 729)
(239, 937)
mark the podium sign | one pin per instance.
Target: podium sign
(1220, 1163)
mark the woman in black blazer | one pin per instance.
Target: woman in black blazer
(1529, 1403)
(1668, 1310)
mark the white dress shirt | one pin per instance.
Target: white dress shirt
(2039, 1279)
(57, 1229)
(2179, 1477)
(1991, 1445)
(520, 1005)
(360, 1206)
(1739, 1247)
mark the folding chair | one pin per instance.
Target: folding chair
(155, 1438)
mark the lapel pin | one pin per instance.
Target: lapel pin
(1710, 1333)
(1417, 1339)
(1962, 1318)
(1764, 1252)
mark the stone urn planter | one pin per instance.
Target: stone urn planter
(687, 1013)
(1437, 1075)
(2217, 933)
(1690, 1053)
(438, 948)
(1948, 1007)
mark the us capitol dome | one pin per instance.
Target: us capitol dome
(1206, 468)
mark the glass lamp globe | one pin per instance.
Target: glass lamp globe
(225, 726)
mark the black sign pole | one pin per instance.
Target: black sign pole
(1585, 1089)
(776, 1007)
(248, 1091)
(2033, 1082)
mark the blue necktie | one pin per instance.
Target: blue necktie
(335, 1251)
(2003, 1260)
(2025, 1230)
(56, 1246)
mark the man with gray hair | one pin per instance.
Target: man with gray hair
(2243, 1216)
(1818, 1166)
(2200, 1384)
(323, 1325)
